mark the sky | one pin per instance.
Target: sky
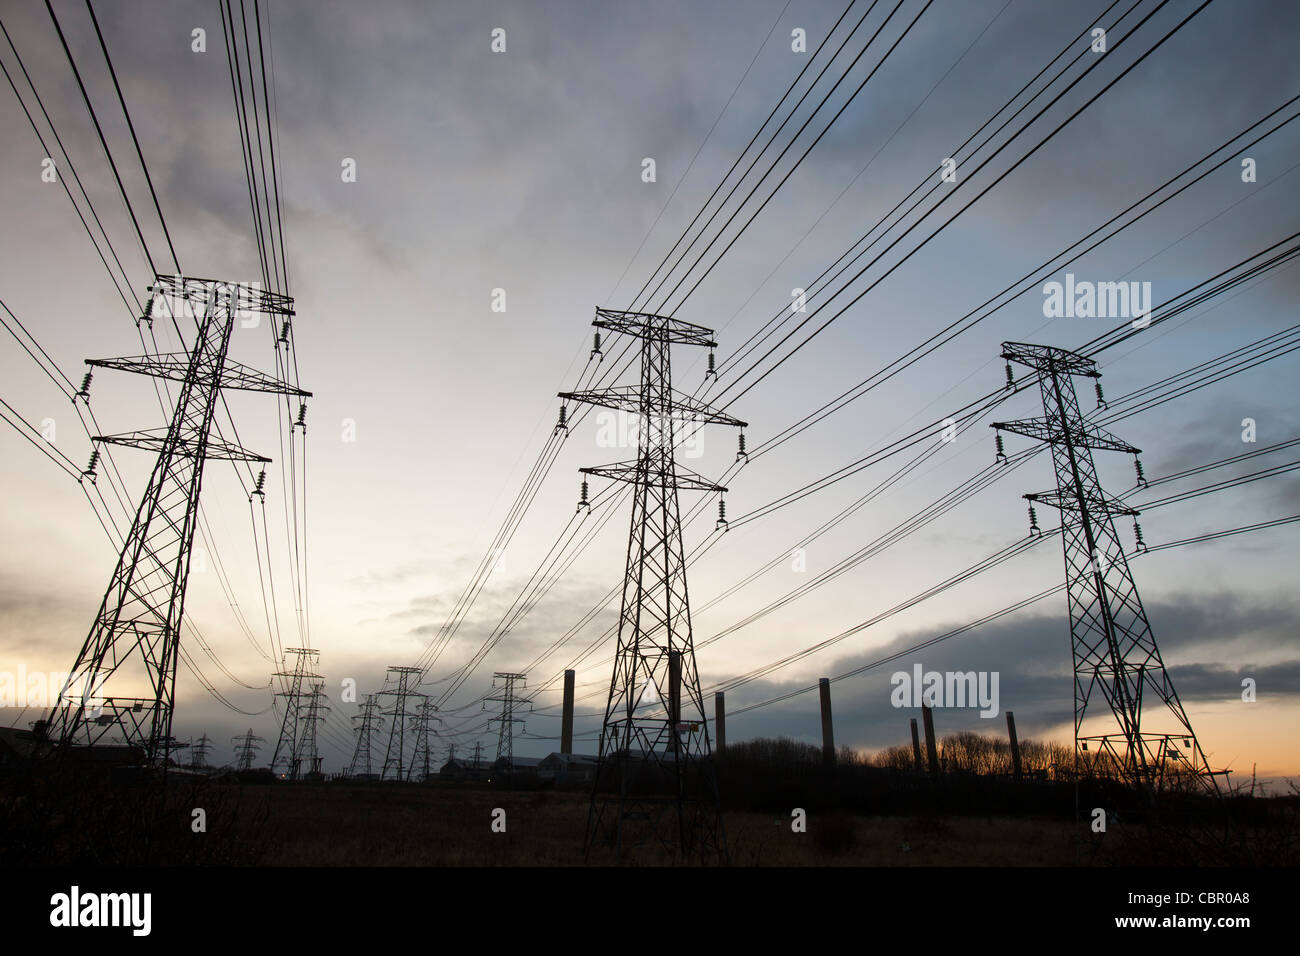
(522, 171)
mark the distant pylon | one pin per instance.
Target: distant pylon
(288, 749)
(316, 710)
(1114, 648)
(395, 756)
(246, 745)
(371, 723)
(199, 753)
(507, 700)
(134, 639)
(422, 723)
(655, 777)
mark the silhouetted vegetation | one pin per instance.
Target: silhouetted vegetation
(56, 816)
(874, 809)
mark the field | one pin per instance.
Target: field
(338, 823)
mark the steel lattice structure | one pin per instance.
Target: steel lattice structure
(655, 779)
(246, 746)
(507, 700)
(199, 753)
(1114, 650)
(289, 747)
(395, 754)
(133, 641)
(422, 723)
(316, 712)
(371, 723)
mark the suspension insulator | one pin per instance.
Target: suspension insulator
(1101, 399)
(1011, 377)
(1141, 545)
(563, 424)
(90, 466)
(711, 371)
(258, 489)
(284, 333)
(148, 311)
(722, 516)
(84, 391)
(1137, 467)
(741, 454)
(302, 416)
(1001, 456)
(595, 348)
(1034, 530)
(583, 503)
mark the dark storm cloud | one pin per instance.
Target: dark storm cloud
(1223, 683)
(1032, 657)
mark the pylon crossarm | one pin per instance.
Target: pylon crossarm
(175, 366)
(156, 439)
(648, 325)
(241, 296)
(1041, 356)
(1081, 434)
(679, 407)
(1098, 503)
(630, 472)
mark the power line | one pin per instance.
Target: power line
(103, 142)
(131, 126)
(1009, 609)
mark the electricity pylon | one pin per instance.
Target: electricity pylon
(507, 700)
(1114, 649)
(199, 753)
(422, 723)
(655, 779)
(289, 747)
(371, 723)
(316, 711)
(246, 745)
(395, 755)
(133, 642)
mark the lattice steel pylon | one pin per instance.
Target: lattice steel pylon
(289, 746)
(199, 753)
(1114, 650)
(133, 642)
(316, 712)
(246, 746)
(395, 754)
(507, 700)
(422, 723)
(655, 779)
(371, 723)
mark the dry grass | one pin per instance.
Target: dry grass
(842, 840)
(341, 825)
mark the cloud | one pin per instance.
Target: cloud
(1032, 658)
